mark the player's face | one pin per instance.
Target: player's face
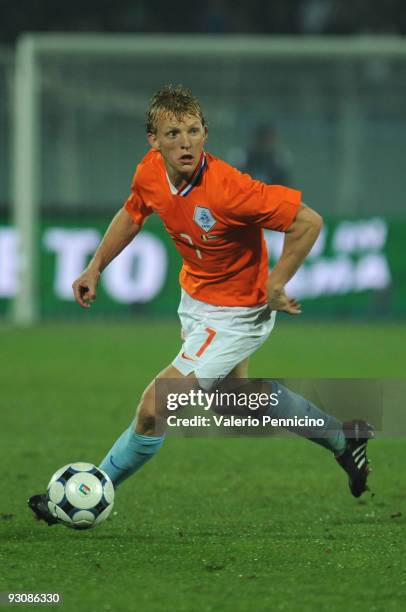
(180, 143)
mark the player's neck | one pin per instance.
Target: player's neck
(179, 179)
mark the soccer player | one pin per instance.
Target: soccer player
(215, 216)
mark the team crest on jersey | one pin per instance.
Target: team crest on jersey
(204, 218)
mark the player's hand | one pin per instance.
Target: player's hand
(84, 287)
(278, 300)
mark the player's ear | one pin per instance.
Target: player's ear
(206, 132)
(153, 140)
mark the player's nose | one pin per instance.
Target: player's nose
(185, 141)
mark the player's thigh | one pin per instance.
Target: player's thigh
(168, 373)
(152, 412)
(171, 380)
(240, 370)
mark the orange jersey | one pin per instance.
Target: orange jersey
(216, 222)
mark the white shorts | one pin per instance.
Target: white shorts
(217, 338)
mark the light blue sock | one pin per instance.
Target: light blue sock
(291, 404)
(129, 453)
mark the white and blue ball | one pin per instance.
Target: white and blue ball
(80, 495)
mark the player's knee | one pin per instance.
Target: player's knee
(146, 420)
(146, 413)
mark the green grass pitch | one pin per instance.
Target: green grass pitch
(210, 524)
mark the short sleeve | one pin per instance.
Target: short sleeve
(251, 202)
(134, 205)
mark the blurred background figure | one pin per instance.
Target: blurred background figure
(316, 15)
(267, 158)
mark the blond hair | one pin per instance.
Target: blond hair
(172, 100)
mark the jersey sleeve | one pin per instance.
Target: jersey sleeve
(135, 205)
(252, 202)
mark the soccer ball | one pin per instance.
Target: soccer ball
(80, 495)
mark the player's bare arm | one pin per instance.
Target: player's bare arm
(121, 231)
(299, 239)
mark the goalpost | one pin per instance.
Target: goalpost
(75, 79)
